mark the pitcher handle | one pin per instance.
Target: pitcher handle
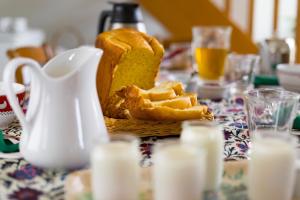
(8, 78)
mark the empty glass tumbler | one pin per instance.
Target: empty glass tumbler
(241, 69)
(271, 110)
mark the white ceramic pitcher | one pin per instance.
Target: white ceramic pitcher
(64, 115)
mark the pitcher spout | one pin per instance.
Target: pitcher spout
(74, 61)
(90, 66)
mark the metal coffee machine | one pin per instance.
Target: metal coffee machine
(122, 15)
(274, 51)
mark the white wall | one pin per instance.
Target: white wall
(239, 13)
(263, 19)
(287, 18)
(219, 3)
(54, 15)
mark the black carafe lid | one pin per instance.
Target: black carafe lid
(126, 13)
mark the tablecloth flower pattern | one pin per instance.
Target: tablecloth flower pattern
(20, 180)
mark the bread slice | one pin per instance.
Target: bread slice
(166, 90)
(129, 58)
(171, 114)
(193, 98)
(175, 85)
(140, 108)
(115, 108)
(154, 94)
(157, 94)
(179, 102)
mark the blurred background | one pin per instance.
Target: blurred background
(255, 17)
(65, 24)
(55, 16)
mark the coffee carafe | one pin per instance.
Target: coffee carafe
(123, 15)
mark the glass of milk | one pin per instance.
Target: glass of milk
(271, 109)
(272, 166)
(209, 137)
(178, 171)
(115, 169)
(297, 182)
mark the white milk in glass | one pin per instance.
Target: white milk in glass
(115, 171)
(178, 173)
(271, 168)
(297, 182)
(211, 139)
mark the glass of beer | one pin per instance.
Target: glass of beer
(210, 47)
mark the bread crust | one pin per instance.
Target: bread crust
(116, 44)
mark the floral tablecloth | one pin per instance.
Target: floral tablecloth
(20, 180)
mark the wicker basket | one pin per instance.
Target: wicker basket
(143, 128)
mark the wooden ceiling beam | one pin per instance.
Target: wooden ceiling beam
(180, 16)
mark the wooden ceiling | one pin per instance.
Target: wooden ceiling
(179, 16)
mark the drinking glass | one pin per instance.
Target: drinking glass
(271, 110)
(115, 169)
(240, 71)
(210, 47)
(178, 171)
(272, 167)
(209, 137)
(297, 177)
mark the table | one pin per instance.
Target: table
(20, 180)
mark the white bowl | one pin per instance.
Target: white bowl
(212, 90)
(7, 115)
(289, 76)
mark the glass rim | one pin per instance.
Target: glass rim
(289, 138)
(240, 56)
(102, 149)
(285, 95)
(160, 146)
(117, 137)
(120, 136)
(222, 27)
(205, 123)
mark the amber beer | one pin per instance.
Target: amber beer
(210, 45)
(210, 62)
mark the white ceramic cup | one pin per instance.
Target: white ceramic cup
(289, 76)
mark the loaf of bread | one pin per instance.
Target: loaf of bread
(130, 58)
